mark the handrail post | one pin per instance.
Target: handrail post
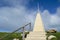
(30, 26)
(23, 34)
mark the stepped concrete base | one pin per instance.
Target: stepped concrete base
(36, 36)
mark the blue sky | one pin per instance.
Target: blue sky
(15, 13)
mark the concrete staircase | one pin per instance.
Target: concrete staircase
(36, 36)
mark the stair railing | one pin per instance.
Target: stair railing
(23, 27)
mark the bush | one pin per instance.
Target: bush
(54, 39)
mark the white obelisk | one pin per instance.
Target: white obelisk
(38, 26)
(38, 32)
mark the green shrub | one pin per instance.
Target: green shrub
(54, 39)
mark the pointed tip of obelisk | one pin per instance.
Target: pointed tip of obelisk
(38, 26)
(38, 10)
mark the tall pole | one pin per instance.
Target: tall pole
(38, 8)
(30, 26)
(23, 34)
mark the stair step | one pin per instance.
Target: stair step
(37, 33)
(36, 39)
(36, 36)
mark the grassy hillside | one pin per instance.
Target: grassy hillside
(18, 35)
(55, 34)
(10, 36)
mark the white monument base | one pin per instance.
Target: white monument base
(36, 36)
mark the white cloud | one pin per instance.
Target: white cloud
(51, 21)
(15, 2)
(17, 16)
(14, 17)
(46, 18)
(58, 11)
(4, 18)
(54, 19)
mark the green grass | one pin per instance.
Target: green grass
(10, 37)
(18, 35)
(55, 34)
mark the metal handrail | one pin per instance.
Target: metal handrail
(16, 30)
